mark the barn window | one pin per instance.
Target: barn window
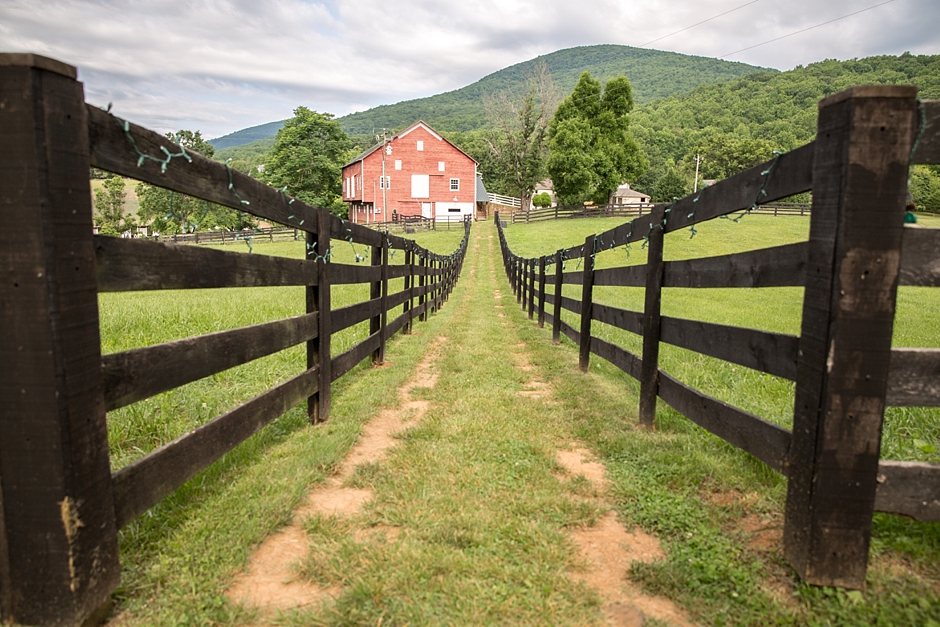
(398, 164)
(420, 145)
(385, 182)
(440, 166)
(420, 186)
(455, 185)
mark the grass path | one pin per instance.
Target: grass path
(482, 508)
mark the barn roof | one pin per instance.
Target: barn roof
(399, 135)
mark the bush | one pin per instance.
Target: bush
(542, 200)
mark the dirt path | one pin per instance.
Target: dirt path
(606, 549)
(269, 584)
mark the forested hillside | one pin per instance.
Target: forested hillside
(756, 114)
(652, 73)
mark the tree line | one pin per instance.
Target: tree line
(588, 142)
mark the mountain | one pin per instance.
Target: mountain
(247, 135)
(653, 73)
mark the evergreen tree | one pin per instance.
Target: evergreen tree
(308, 157)
(670, 185)
(592, 150)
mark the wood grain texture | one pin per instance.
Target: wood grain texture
(142, 484)
(58, 546)
(620, 357)
(920, 257)
(624, 276)
(928, 149)
(134, 375)
(863, 146)
(773, 353)
(125, 265)
(910, 489)
(779, 266)
(587, 300)
(625, 319)
(914, 378)
(649, 377)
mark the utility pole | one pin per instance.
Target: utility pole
(698, 160)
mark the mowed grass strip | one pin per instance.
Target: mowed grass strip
(178, 557)
(472, 492)
(717, 510)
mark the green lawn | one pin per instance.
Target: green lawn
(771, 309)
(474, 486)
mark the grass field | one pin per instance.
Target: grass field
(474, 486)
(237, 491)
(770, 309)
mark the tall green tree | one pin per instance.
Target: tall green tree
(308, 157)
(109, 207)
(592, 149)
(518, 139)
(169, 212)
(670, 185)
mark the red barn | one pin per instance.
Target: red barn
(425, 175)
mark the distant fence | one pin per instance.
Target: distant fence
(843, 364)
(626, 211)
(61, 505)
(506, 201)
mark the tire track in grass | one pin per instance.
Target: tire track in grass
(269, 583)
(606, 549)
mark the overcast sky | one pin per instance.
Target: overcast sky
(222, 65)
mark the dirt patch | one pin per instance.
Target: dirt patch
(576, 462)
(766, 534)
(269, 583)
(607, 550)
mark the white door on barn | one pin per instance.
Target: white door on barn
(426, 209)
(420, 185)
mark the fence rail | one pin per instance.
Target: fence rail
(843, 364)
(61, 505)
(506, 201)
(625, 211)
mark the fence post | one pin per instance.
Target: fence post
(532, 288)
(556, 308)
(587, 298)
(375, 292)
(863, 145)
(541, 317)
(423, 281)
(383, 335)
(58, 537)
(409, 284)
(318, 299)
(649, 370)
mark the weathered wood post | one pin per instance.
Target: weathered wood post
(375, 292)
(649, 371)
(409, 285)
(318, 299)
(556, 307)
(383, 331)
(532, 288)
(587, 300)
(862, 153)
(541, 316)
(58, 537)
(520, 282)
(423, 281)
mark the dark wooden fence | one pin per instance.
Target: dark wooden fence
(521, 216)
(843, 363)
(61, 506)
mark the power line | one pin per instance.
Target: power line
(806, 29)
(698, 23)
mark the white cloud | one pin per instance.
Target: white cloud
(221, 65)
